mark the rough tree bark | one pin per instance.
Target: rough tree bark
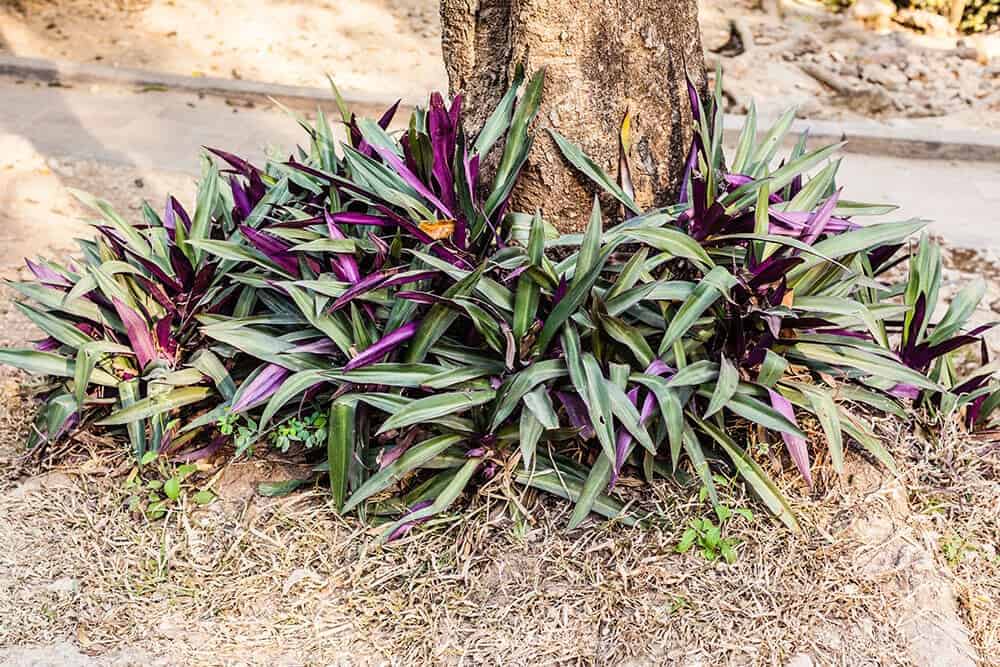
(601, 58)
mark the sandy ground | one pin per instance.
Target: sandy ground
(371, 45)
(393, 47)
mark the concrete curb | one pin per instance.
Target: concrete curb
(299, 98)
(902, 138)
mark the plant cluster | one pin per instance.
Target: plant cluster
(381, 298)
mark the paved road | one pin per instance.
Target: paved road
(163, 130)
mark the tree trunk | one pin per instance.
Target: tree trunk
(602, 58)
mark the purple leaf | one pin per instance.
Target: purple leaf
(381, 249)
(796, 445)
(692, 162)
(240, 199)
(576, 410)
(174, 206)
(390, 158)
(261, 387)
(201, 452)
(820, 219)
(625, 438)
(137, 330)
(275, 250)
(442, 135)
(47, 344)
(236, 162)
(905, 391)
(46, 275)
(349, 218)
(345, 266)
(383, 346)
(164, 336)
(405, 528)
(366, 284)
(387, 117)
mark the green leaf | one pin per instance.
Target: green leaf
(414, 458)
(516, 387)
(571, 302)
(278, 489)
(753, 474)
(539, 403)
(675, 243)
(340, 448)
(599, 404)
(829, 418)
(578, 159)
(714, 285)
(729, 378)
(434, 406)
(172, 488)
(586, 496)
(529, 432)
(498, 121)
(154, 405)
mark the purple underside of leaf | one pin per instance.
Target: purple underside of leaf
(47, 344)
(796, 445)
(972, 415)
(905, 391)
(46, 275)
(67, 425)
(560, 290)
(405, 528)
(793, 223)
(389, 114)
(344, 265)
(692, 162)
(319, 346)
(821, 219)
(693, 96)
(739, 180)
(916, 323)
(772, 269)
(201, 452)
(442, 148)
(177, 208)
(366, 284)
(261, 387)
(418, 297)
(625, 438)
(275, 250)
(137, 330)
(576, 410)
(383, 346)
(240, 199)
(658, 368)
(396, 164)
(165, 337)
(236, 162)
(381, 249)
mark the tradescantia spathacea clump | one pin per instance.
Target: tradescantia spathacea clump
(386, 282)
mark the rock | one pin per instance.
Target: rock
(800, 660)
(875, 14)
(891, 77)
(63, 586)
(894, 556)
(987, 47)
(929, 22)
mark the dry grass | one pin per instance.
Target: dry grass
(284, 581)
